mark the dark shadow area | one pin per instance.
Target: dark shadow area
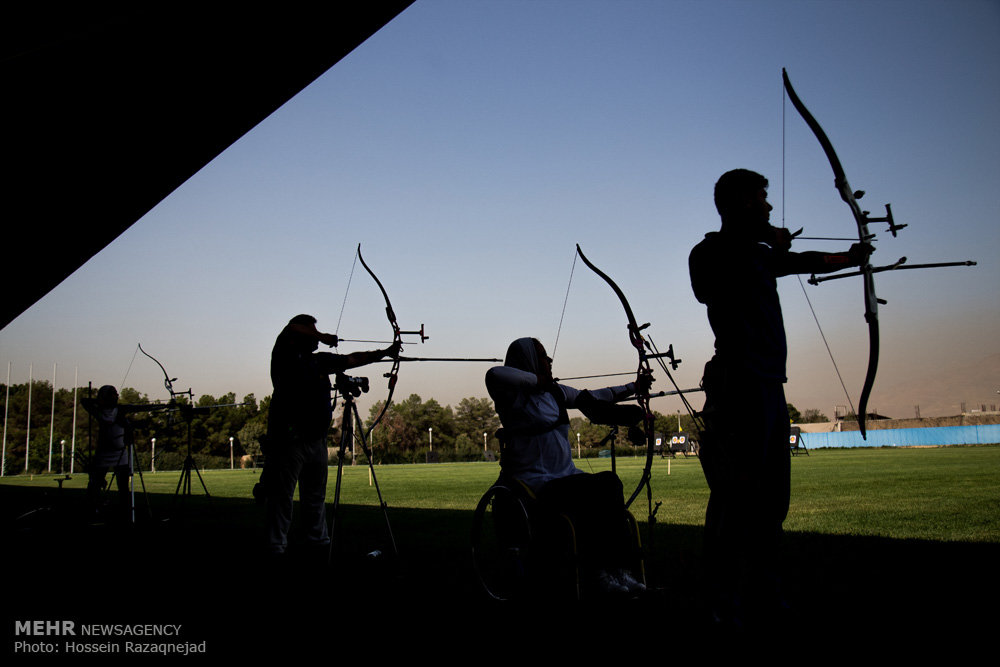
(203, 569)
(108, 110)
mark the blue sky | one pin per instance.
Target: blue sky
(468, 146)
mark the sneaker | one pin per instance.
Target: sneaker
(630, 583)
(609, 584)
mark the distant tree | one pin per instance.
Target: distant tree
(475, 416)
(794, 414)
(813, 416)
(250, 404)
(467, 449)
(249, 436)
(668, 423)
(130, 396)
(588, 433)
(405, 425)
(591, 436)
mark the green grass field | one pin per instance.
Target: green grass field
(878, 542)
(943, 493)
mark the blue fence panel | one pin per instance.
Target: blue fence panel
(907, 437)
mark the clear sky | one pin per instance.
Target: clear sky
(468, 146)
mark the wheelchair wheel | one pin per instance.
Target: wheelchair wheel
(501, 540)
(633, 539)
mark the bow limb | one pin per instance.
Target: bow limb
(861, 219)
(642, 371)
(393, 373)
(168, 381)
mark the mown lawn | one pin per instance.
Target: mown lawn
(941, 493)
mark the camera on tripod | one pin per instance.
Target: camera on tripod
(355, 386)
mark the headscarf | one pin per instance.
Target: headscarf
(522, 354)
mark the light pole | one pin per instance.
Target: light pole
(430, 437)
(62, 455)
(6, 404)
(72, 442)
(230, 452)
(484, 442)
(152, 457)
(52, 419)
(27, 437)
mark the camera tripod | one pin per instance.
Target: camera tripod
(189, 463)
(350, 388)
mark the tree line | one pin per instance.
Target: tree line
(226, 432)
(59, 436)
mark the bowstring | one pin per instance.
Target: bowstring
(805, 293)
(572, 269)
(346, 292)
(569, 284)
(340, 317)
(121, 385)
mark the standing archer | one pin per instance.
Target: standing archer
(298, 421)
(744, 448)
(114, 445)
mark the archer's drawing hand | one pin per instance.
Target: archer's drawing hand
(779, 239)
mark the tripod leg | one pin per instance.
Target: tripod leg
(613, 437)
(142, 482)
(180, 481)
(189, 465)
(183, 482)
(345, 437)
(371, 469)
(200, 479)
(185, 479)
(121, 479)
(131, 486)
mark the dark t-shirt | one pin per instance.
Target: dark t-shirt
(300, 405)
(736, 279)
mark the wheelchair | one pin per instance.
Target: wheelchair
(522, 550)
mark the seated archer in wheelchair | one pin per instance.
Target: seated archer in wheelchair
(537, 457)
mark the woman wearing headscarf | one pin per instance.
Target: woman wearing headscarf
(537, 452)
